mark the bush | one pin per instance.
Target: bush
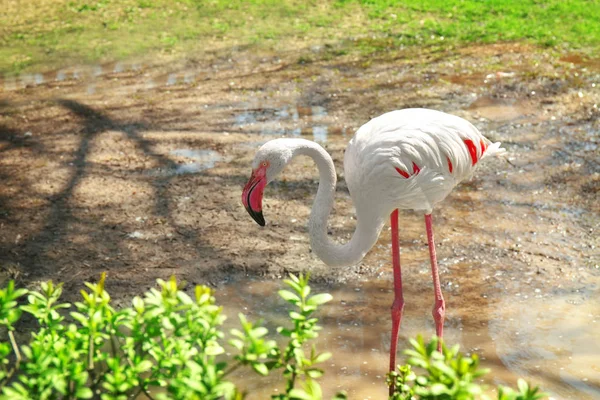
(448, 375)
(168, 345)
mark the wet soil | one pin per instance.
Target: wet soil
(136, 169)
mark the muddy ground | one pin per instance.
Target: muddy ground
(137, 168)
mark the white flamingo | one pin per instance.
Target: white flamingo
(404, 159)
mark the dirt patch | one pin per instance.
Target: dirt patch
(137, 169)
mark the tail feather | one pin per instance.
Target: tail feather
(494, 149)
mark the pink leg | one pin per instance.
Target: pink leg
(439, 308)
(398, 305)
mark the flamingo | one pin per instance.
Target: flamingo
(405, 159)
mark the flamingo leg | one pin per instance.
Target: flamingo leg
(439, 308)
(398, 305)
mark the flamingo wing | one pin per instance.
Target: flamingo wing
(412, 158)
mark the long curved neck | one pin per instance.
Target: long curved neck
(368, 227)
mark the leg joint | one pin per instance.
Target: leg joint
(439, 310)
(397, 307)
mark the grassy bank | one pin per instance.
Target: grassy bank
(43, 34)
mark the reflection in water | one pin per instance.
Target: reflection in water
(205, 159)
(10, 83)
(552, 336)
(499, 109)
(320, 134)
(318, 112)
(172, 79)
(550, 339)
(286, 121)
(319, 131)
(26, 79)
(189, 77)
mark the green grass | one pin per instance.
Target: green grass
(44, 34)
(570, 23)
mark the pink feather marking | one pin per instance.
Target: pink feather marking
(449, 164)
(416, 169)
(403, 173)
(483, 147)
(472, 150)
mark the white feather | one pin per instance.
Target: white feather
(397, 139)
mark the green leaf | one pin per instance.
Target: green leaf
(445, 369)
(298, 394)
(322, 358)
(438, 389)
(260, 368)
(523, 386)
(238, 344)
(84, 393)
(314, 389)
(82, 319)
(297, 288)
(289, 296)
(284, 332)
(138, 304)
(314, 373)
(474, 389)
(259, 332)
(19, 292)
(417, 362)
(319, 299)
(144, 366)
(305, 291)
(297, 317)
(214, 350)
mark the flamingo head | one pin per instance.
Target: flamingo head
(270, 159)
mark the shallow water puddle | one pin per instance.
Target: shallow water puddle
(499, 109)
(92, 75)
(294, 121)
(205, 159)
(549, 338)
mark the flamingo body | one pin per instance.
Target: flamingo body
(405, 159)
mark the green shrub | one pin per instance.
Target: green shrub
(168, 345)
(448, 375)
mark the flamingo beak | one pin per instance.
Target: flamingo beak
(252, 195)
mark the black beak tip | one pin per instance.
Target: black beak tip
(257, 216)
